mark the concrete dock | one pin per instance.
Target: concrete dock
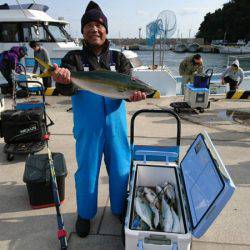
(24, 228)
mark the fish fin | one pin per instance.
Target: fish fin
(45, 74)
(156, 94)
(121, 89)
(44, 64)
(100, 70)
(49, 68)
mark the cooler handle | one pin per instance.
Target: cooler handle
(209, 76)
(166, 111)
(140, 245)
(145, 153)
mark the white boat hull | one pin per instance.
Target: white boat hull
(244, 49)
(180, 48)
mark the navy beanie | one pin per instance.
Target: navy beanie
(93, 13)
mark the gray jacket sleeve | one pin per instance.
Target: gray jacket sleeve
(35, 65)
(241, 73)
(46, 56)
(225, 72)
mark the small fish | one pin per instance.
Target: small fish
(167, 217)
(156, 215)
(176, 222)
(159, 191)
(136, 223)
(140, 192)
(144, 226)
(169, 191)
(106, 83)
(144, 211)
(151, 196)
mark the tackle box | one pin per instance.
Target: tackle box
(202, 185)
(38, 179)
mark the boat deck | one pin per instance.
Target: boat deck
(24, 228)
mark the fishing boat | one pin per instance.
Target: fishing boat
(22, 23)
(193, 47)
(180, 48)
(239, 48)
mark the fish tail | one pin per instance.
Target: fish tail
(49, 68)
(156, 94)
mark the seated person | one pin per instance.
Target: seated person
(233, 75)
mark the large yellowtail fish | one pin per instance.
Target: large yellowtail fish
(106, 83)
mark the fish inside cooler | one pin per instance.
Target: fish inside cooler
(157, 204)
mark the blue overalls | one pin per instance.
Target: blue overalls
(100, 127)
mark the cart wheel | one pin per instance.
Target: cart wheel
(208, 105)
(176, 110)
(201, 110)
(10, 157)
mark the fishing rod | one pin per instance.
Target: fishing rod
(61, 233)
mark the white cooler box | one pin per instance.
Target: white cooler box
(203, 187)
(196, 97)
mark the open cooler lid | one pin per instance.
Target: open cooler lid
(207, 183)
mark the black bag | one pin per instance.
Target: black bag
(6, 89)
(22, 93)
(22, 125)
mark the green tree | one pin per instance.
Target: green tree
(232, 21)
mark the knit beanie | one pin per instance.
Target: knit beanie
(93, 13)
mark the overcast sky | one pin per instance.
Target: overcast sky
(126, 16)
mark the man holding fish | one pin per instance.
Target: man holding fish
(99, 114)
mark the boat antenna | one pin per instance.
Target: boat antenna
(21, 7)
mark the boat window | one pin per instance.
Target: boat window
(35, 32)
(9, 32)
(59, 33)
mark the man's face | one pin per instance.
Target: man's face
(22, 53)
(94, 33)
(36, 48)
(198, 61)
(235, 67)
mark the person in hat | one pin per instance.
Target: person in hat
(9, 60)
(41, 53)
(189, 67)
(100, 125)
(233, 75)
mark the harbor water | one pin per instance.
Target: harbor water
(218, 62)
